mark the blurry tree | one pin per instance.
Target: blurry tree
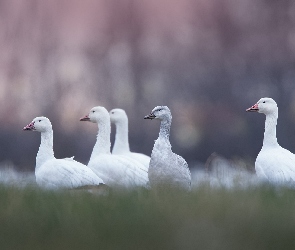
(207, 60)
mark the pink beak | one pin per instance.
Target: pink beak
(254, 108)
(85, 118)
(30, 126)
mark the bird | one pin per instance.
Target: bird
(116, 170)
(274, 163)
(52, 173)
(166, 169)
(121, 144)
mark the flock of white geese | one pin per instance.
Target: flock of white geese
(123, 168)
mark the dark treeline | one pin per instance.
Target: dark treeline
(207, 60)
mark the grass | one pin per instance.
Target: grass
(254, 218)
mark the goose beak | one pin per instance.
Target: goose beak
(254, 108)
(150, 116)
(30, 127)
(85, 118)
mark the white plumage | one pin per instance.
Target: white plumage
(166, 168)
(121, 145)
(273, 163)
(58, 173)
(116, 170)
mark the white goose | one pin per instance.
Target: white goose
(166, 168)
(121, 145)
(116, 170)
(273, 163)
(55, 173)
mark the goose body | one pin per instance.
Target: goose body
(55, 173)
(121, 144)
(116, 170)
(274, 163)
(166, 168)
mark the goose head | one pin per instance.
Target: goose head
(159, 112)
(264, 105)
(118, 115)
(96, 115)
(40, 124)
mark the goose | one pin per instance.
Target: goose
(274, 163)
(116, 170)
(166, 168)
(55, 173)
(121, 145)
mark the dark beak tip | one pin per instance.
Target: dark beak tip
(150, 117)
(251, 110)
(85, 118)
(27, 128)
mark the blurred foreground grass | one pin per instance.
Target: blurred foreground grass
(254, 218)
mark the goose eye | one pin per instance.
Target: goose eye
(39, 120)
(263, 102)
(93, 111)
(160, 109)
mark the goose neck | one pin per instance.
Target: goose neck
(46, 148)
(103, 143)
(270, 138)
(165, 129)
(121, 144)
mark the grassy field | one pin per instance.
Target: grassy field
(254, 218)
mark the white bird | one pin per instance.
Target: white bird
(121, 145)
(273, 163)
(116, 170)
(166, 168)
(55, 173)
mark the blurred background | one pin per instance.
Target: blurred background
(208, 60)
